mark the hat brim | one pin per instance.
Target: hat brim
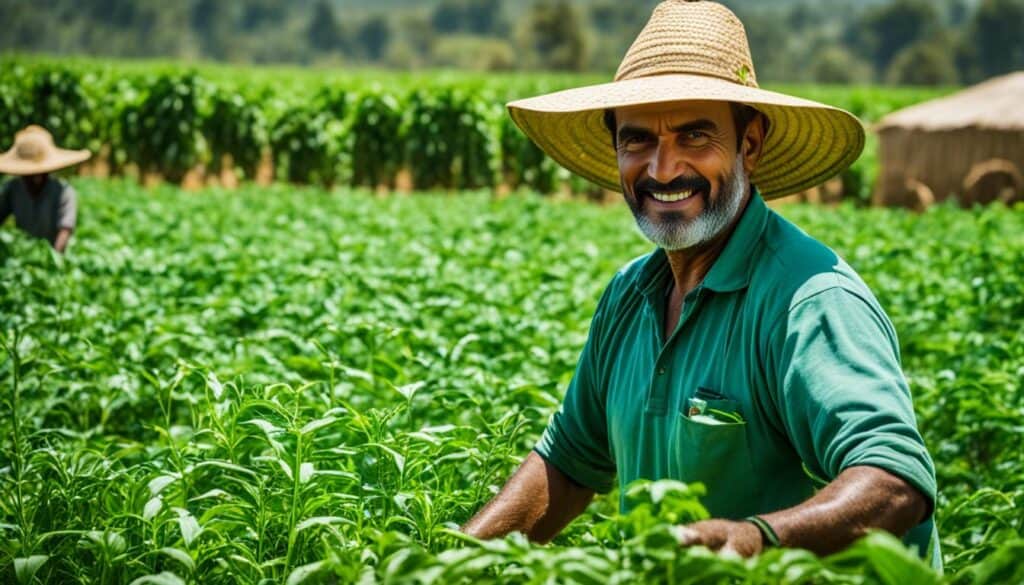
(56, 160)
(808, 142)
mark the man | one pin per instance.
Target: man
(741, 353)
(42, 206)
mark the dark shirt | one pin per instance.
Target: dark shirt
(43, 215)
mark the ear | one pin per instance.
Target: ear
(753, 142)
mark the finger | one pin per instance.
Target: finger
(687, 536)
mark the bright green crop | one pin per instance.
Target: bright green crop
(293, 385)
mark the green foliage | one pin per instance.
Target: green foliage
(924, 63)
(451, 140)
(375, 136)
(235, 127)
(326, 389)
(163, 131)
(994, 37)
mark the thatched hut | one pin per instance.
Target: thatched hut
(969, 145)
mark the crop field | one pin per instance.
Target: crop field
(292, 385)
(444, 130)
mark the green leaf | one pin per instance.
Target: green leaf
(25, 568)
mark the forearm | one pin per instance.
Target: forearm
(61, 242)
(538, 500)
(860, 499)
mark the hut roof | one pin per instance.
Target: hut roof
(993, 104)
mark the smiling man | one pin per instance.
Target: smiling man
(741, 353)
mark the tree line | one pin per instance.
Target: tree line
(918, 42)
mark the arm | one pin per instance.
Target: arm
(842, 400)
(862, 498)
(67, 218)
(61, 242)
(538, 500)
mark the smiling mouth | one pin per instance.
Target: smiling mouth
(672, 197)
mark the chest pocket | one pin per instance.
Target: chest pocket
(711, 447)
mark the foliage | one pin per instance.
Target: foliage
(324, 390)
(450, 139)
(163, 131)
(356, 128)
(923, 63)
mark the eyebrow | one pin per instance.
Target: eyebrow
(627, 131)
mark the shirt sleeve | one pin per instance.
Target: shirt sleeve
(840, 392)
(576, 438)
(67, 215)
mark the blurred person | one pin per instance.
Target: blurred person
(741, 353)
(43, 206)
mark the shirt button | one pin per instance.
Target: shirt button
(661, 371)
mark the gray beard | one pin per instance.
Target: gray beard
(683, 234)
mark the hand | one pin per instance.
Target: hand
(727, 536)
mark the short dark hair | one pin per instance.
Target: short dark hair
(742, 116)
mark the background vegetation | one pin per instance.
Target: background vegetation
(291, 385)
(919, 42)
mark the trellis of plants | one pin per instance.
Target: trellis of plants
(448, 132)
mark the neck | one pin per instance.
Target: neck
(691, 265)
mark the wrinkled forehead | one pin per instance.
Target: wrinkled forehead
(671, 114)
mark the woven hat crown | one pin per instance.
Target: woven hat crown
(33, 143)
(691, 37)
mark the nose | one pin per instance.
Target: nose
(666, 162)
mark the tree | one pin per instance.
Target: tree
(884, 31)
(837, 65)
(554, 35)
(373, 36)
(923, 63)
(480, 17)
(996, 36)
(324, 32)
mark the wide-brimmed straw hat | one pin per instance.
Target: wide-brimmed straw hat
(693, 50)
(34, 153)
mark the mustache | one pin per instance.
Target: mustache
(681, 183)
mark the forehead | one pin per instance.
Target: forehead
(672, 114)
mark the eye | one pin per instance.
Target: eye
(634, 143)
(695, 137)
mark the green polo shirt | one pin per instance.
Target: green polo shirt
(782, 344)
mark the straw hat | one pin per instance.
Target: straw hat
(34, 153)
(693, 50)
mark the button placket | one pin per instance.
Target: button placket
(658, 390)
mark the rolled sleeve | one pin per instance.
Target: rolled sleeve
(67, 214)
(576, 438)
(840, 391)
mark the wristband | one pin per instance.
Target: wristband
(767, 532)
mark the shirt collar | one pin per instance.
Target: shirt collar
(731, 271)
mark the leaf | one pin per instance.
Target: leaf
(180, 556)
(25, 568)
(214, 385)
(189, 526)
(152, 508)
(284, 465)
(302, 574)
(157, 484)
(409, 390)
(163, 578)
(306, 471)
(321, 521)
(317, 424)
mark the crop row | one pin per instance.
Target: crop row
(448, 131)
(290, 385)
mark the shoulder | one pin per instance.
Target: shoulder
(795, 269)
(629, 279)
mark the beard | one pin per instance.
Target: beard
(678, 233)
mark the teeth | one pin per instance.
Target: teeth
(670, 197)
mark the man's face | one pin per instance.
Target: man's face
(35, 182)
(681, 173)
